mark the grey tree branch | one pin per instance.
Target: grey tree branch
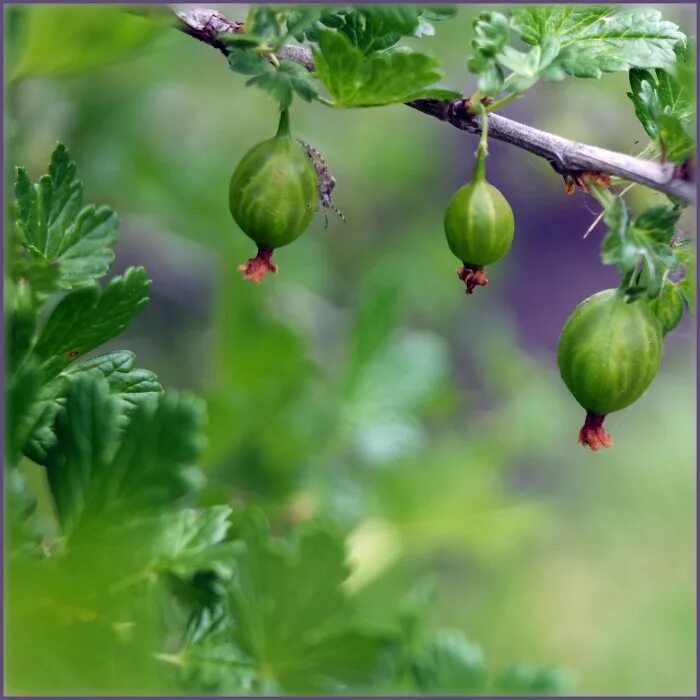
(567, 157)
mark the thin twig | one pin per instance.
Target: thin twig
(600, 216)
(567, 157)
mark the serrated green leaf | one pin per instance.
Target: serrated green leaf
(264, 23)
(595, 41)
(645, 98)
(532, 678)
(645, 242)
(239, 40)
(87, 433)
(247, 61)
(685, 252)
(371, 28)
(104, 465)
(571, 40)
(292, 614)
(194, 540)
(355, 80)
(382, 404)
(438, 13)
(450, 664)
(23, 413)
(88, 317)
(300, 19)
(162, 439)
(128, 384)
(676, 144)
(282, 83)
(435, 93)
(56, 232)
(21, 324)
(658, 223)
(663, 107)
(22, 536)
(376, 28)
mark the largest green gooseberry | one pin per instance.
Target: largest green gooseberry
(272, 196)
(609, 352)
(479, 227)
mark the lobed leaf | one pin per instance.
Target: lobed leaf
(663, 106)
(566, 40)
(104, 464)
(88, 317)
(129, 385)
(356, 80)
(644, 243)
(450, 663)
(74, 245)
(291, 612)
(373, 28)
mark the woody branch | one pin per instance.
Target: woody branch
(567, 157)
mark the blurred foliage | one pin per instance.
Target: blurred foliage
(390, 498)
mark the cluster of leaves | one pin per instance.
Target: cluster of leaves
(586, 42)
(123, 571)
(563, 40)
(663, 102)
(644, 245)
(354, 51)
(115, 450)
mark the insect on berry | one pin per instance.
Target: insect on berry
(326, 181)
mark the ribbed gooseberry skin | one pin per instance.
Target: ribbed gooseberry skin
(273, 192)
(609, 351)
(479, 224)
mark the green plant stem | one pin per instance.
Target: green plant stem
(283, 128)
(325, 101)
(483, 150)
(494, 106)
(604, 196)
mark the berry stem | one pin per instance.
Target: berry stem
(502, 102)
(483, 150)
(283, 128)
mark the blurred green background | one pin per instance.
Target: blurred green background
(361, 384)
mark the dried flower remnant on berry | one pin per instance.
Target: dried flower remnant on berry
(256, 268)
(593, 434)
(473, 276)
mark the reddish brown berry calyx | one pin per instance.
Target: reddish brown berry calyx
(593, 433)
(473, 276)
(256, 268)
